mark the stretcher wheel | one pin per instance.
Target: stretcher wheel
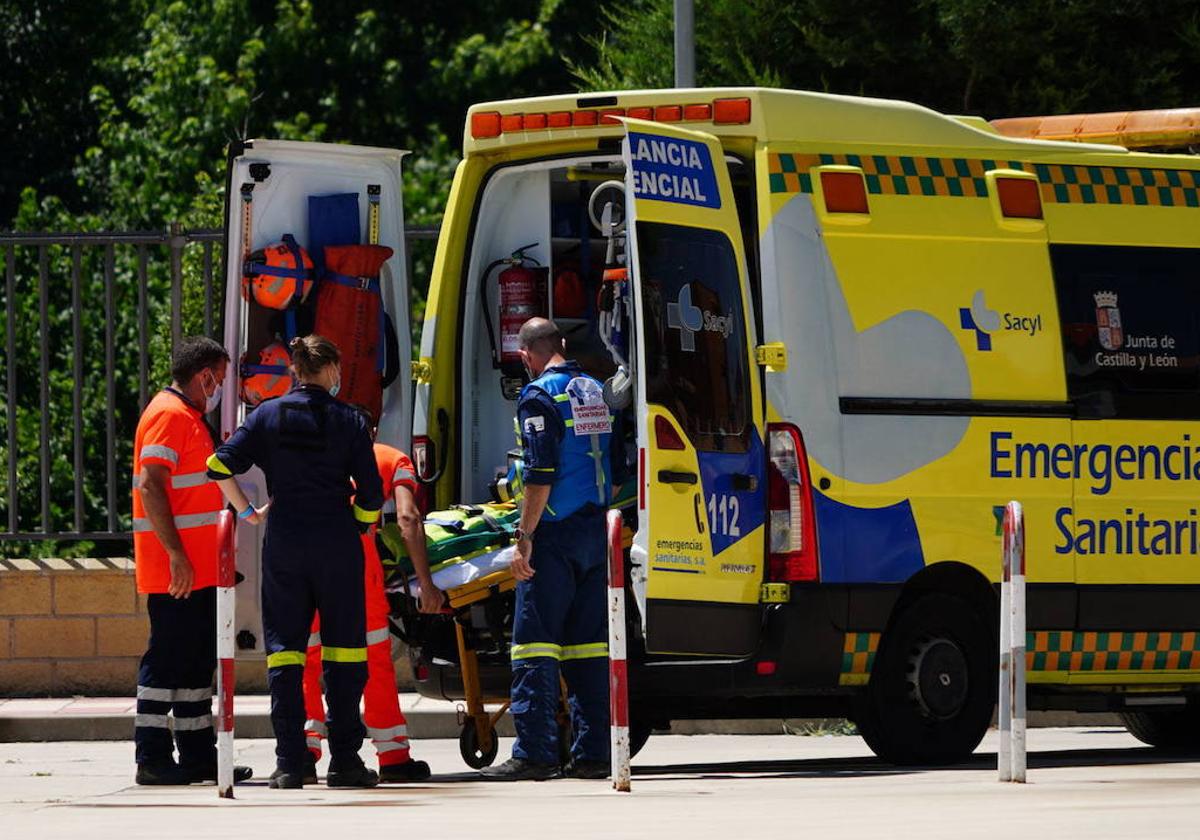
(468, 746)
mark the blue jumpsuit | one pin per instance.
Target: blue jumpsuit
(561, 616)
(310, 447)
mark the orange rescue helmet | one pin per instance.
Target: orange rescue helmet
(267, 378)
(279, 275)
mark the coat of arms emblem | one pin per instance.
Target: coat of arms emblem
(1108, 321)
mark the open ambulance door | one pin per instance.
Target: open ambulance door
(701, 537)
(269, 183)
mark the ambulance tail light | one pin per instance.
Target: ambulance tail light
(792, 547)
(665, 436)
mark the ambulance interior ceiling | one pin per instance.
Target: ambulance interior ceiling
(280, 206)
(545, 205)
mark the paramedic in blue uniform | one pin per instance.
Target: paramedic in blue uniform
(311, 447)
(561, 610)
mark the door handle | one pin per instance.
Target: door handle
(699, 510)
(677, 477)
(744, 481)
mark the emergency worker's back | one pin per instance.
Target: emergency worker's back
(310, 447)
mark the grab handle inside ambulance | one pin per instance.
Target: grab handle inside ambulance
(431, 461)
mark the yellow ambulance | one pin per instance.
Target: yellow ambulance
(848, 331)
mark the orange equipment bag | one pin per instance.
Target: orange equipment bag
(279, 275)
(267, 378)
(350, 314)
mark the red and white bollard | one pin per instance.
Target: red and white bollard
(226, 578)
(618, 673)
(1012, 647)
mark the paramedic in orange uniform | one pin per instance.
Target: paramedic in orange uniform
(384, 720)
(175, 510)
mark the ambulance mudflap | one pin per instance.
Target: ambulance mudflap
(698, 555)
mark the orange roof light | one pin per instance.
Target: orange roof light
(609, 116)
(668, 113)
(534, 122)
(641, 113)
(697, 112)
(1019, 198)
(845, 192)
(585, 118)
(731, 111)
(1168, 127)
(512, 122)
(560, 119)
(485, 124)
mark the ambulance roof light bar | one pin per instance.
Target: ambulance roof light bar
(1165, 128)
(726, 111)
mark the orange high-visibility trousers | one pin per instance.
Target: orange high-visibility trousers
(386, 726)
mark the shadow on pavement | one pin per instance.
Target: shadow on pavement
(871, 766)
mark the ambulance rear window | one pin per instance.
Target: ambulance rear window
(696, 355)
(1131, 329)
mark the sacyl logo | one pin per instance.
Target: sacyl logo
(984, 321)
(682, 315)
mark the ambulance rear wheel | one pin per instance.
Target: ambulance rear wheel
(1177, 730)
(933, 685)
(470, 750)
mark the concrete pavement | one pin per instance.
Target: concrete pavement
(1098, 783)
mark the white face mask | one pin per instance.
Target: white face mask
(211, 401)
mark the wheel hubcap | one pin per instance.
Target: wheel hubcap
(937, 678)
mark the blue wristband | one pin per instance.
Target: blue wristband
(247, 513)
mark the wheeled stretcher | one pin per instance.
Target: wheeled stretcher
(463, 654)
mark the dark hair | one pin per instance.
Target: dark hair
(194, 354)
(311, 353)
(541, 335)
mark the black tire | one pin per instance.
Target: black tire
(933, 685)
(639, 734)
(468, 747)
(1175, 730)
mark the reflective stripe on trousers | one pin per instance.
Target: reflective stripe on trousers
(533, 650)
(173, 695)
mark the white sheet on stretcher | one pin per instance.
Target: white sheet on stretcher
(457, 574)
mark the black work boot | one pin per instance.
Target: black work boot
(285, 780)
(208, 773)
(162, 773)
(348, 775)
(310, 770)
(409, 771)
(520, 770)
(587, 769)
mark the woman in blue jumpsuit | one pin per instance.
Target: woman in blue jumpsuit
(311, 447)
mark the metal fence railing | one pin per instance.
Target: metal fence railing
(90, 318)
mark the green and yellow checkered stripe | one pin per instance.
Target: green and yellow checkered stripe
(858, 655)
(965, 178)
(1143, 650)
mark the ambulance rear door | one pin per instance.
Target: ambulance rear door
(702, 465)
(268, 188)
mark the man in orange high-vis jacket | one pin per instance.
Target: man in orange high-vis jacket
(175, 510)
(384, 720)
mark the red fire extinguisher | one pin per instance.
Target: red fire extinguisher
(522, 296)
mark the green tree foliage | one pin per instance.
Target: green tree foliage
(991, 57)
(118, 114)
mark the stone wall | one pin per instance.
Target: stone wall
(77, 627)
